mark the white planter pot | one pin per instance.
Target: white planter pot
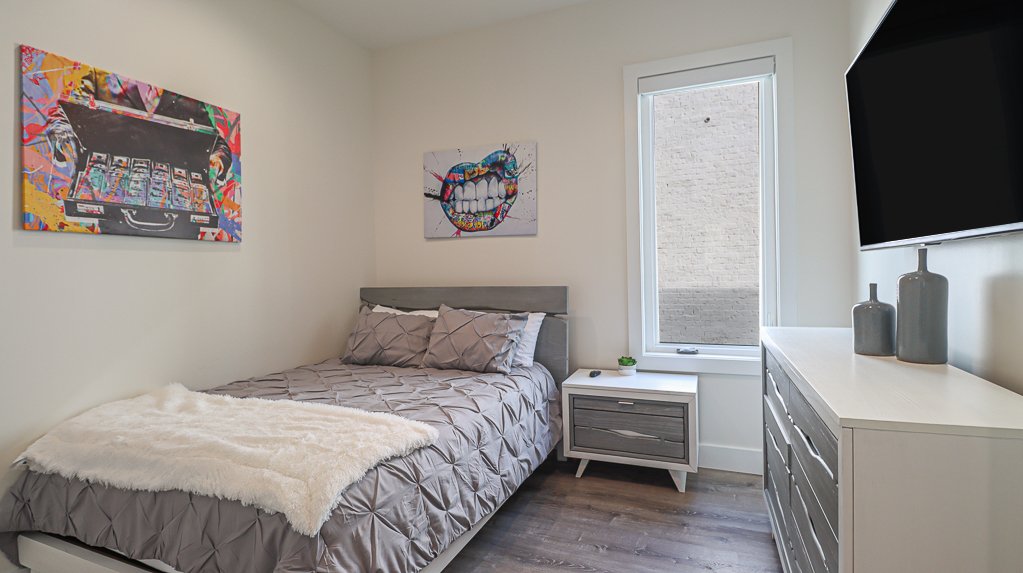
(627, 370)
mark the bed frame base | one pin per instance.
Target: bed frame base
(44, 553)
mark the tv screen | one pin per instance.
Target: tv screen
(936, 113)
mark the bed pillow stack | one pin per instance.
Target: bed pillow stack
(448, 338)
(477, 341)
(389, 339)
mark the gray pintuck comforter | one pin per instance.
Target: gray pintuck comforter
(495, 430)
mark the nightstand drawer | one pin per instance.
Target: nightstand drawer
(624, 442)
(662, 427)
(629, 405)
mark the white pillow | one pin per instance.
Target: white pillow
(429, 313)
(527, 344)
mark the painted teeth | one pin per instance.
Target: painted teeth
(485, 195)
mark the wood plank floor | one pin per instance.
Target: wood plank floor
(624, 519)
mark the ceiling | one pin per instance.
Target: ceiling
(377, 24)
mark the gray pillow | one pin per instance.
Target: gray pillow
(477, 341)
(387, 339)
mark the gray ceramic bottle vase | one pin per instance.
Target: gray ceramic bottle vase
(873, 326)
(922, 333)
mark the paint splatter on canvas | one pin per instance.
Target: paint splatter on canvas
(481, 191)
(105, 154)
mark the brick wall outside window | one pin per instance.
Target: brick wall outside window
(707, 184)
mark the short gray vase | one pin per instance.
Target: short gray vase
(873, 326)
(922, 333)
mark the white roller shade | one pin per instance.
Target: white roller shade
(708, 75)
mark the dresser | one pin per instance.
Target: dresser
(873, 465)
(647, 419)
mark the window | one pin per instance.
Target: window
(703, 193)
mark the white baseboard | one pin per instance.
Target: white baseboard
(731, 458)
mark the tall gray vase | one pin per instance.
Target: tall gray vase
(922, 332)
(873, 326)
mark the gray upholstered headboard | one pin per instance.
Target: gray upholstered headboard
(552, 342)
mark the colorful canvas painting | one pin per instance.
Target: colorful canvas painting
(481, 191)
(105, 154)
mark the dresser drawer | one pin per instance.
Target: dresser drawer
(820, 447)
(629, 405)
(825, 535)
(780, 429)
(817, 483)
(804, 528)
(776, 381)
(800, 560)
(777, 469)
(780, 518)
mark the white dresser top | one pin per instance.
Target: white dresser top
(649, 382)
(853, 391)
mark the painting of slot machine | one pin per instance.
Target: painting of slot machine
(105, 154)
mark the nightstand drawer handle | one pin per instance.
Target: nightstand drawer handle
(631, 434)
(627, 403)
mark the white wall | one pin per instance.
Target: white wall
(985, 276)
(556, 78)
(89, 319)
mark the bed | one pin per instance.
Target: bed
(407, 514)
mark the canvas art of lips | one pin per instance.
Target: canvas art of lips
(476, 197)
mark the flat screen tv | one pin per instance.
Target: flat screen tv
(936, 115)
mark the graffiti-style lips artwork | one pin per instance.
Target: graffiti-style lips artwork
(476, 197)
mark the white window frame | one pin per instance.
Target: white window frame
(777, 298)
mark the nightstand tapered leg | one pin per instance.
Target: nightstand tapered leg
(679, 477)
(582, 468)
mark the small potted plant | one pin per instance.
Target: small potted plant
(626, 366)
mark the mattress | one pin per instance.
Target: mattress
(495, 429)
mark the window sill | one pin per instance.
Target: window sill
(701, 363)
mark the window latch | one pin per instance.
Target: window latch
(689, 350)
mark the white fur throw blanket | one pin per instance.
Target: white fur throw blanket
(292, 457)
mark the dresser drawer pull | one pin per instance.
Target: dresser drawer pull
(813, 450)
(816, 541)
(774, 442)
(777, 390)
(627, 403)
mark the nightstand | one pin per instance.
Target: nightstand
(647, 419)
